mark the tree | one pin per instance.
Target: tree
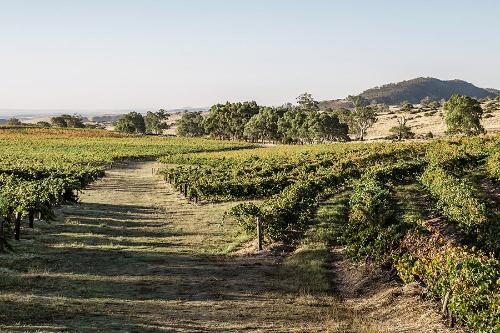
(14, 122)
(155, 122)
(58, 122)
(327, 126)
(270, 117)
(255, 128)
(360, 118)
(306, 102)
(463, 115)
(358, 100)
(190, 124)
(402, 130)
(68, 121)
(292, 126)
(227, 121)
(406, 107)
(43, 124)
(132, 122)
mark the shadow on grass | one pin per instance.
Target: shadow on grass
(123, 255)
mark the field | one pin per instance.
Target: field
(357, 237)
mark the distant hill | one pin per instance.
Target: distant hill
(415, 90)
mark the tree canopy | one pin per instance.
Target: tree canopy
(14, 122)
(190, 124)
(68, 121)
(463, 115)
(155, 122)
(300, 123)
(359, 119)
(132, 122)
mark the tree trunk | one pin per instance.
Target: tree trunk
(31, 218)
(17, 226)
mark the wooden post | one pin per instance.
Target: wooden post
(31, 217)
(259, 233)
(17, 226)
(39, 216)
(186, 189)
(444, 309)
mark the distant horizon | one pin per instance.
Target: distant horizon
(14, 112)
(7, 112)
(128, 55)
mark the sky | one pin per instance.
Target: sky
(123, 54)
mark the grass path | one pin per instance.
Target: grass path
(135, 257)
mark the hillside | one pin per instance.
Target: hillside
(415, 90)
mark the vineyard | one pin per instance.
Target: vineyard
(41, 169)
(428, 210)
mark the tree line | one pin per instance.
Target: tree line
(306, 122)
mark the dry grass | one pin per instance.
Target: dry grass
(423, 122)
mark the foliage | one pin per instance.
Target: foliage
(359, 119)
(132, 122)
(155, 122)
(43, 168)
(14, 122)
(402, 131)
(67, 121)
(303, 123)
(493, 165)
(463, 115)
(373, 229)
(227, 121)
(264, 125)
(43, 124)
(190, 125)
(455, 198)
(470, 278)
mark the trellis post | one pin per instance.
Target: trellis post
(259, 233)
(31, 218)
(17, 226)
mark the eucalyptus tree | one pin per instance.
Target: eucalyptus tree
(463, 115)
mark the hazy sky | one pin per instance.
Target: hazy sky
(121, 54)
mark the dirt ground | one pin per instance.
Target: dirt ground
(134, 256)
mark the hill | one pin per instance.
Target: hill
(415, 90)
